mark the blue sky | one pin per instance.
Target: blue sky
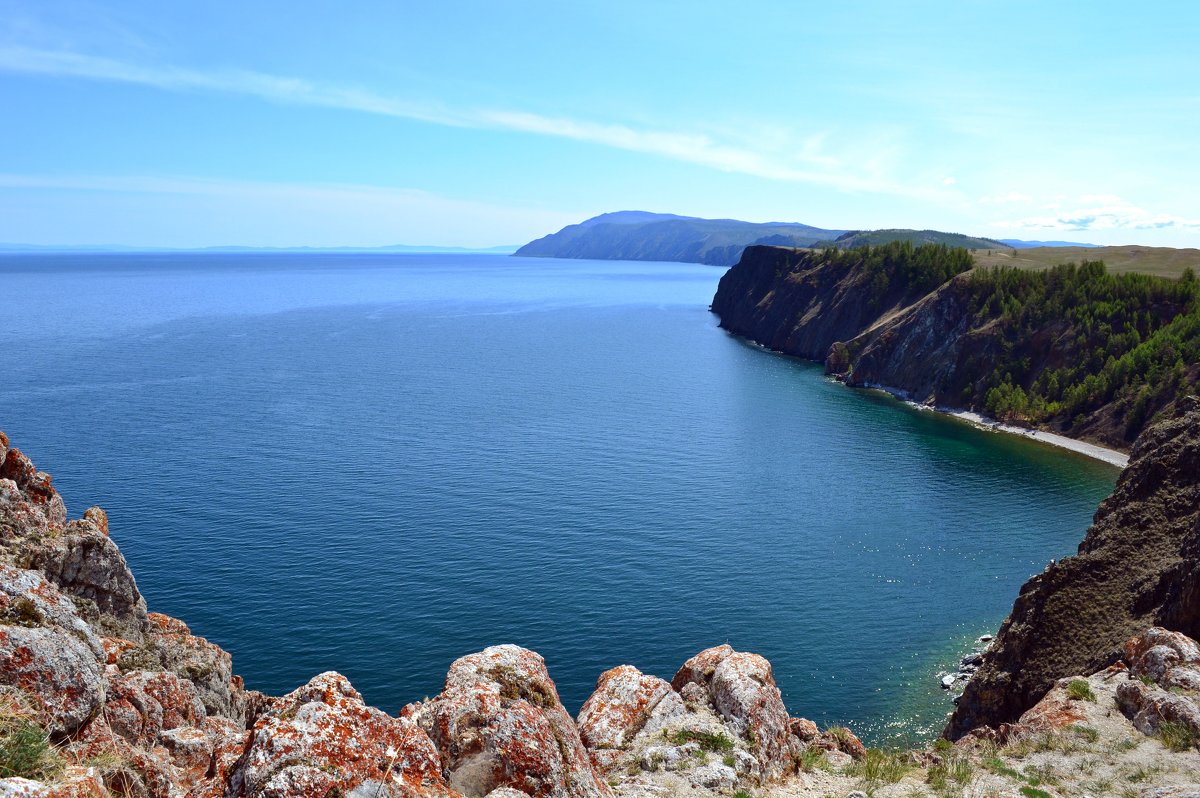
(485, 123)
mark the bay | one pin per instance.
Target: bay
(378, 463)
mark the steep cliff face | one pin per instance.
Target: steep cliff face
(1077, 351)
(796, 302)
(1139, 565)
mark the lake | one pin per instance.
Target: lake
(379, 463)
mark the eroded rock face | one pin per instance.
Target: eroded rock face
(84, 562)
(624, 700)
(47, 652)
(1138, 566)
(499, 723)
(1161, 665)
(322, 739)
(742, 688)
(169, 645)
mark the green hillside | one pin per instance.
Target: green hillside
(874, 238)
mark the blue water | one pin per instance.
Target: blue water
(379, 463)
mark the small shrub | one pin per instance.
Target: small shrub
(1080, 690)
(1177, 736)
(25, 751)
(810, 759)
(728, 760)
(742, 794)
(707, 740)
(1086, 733)
(942, 745)
(1034, 792)
(879, 766)
(996, 765)
(1142, 773)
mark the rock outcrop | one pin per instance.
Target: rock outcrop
(499, 723)
(1138, 566)
(885, 320)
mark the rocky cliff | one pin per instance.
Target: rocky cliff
(99, 697)
(1083, 353)
(1139, 565)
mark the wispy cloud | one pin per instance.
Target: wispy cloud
(1104, 212)
(805, 163)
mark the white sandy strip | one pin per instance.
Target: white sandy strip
(1110, 456)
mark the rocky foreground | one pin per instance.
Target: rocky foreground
(99, 697)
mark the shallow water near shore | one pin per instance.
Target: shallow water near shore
(379, 463)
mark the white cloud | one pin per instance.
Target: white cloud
(815, 167)
(948, 181)
(1103, 212)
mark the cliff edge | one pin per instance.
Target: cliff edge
(1073, 349)
(1138, 566)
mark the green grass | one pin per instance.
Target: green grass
(810, 759)
(996, 765)
(953, 771)
(707, 740)
(1177, 736)
(879, 766)
(1156, 261)
(1034, 792)
(1080, 690)
(25, 751)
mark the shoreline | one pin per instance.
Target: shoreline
(1105, 455)
(979, 421)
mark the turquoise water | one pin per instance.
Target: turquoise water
(376, 464)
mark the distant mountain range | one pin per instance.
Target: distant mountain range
(1017, 243)
(639, 235)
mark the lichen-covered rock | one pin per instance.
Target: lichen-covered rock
(169, 645)
(699, 669)
(1149, 706)
(1157, 651)
(499, 723)
(1056, 710)
(742, 688)
(141, 770)
(715, 777)
(84, 562)
(322, 739)
(622, 705)
(48, 653)
(34, 486)
(18, 787)
(141, 705)
(744, 692)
